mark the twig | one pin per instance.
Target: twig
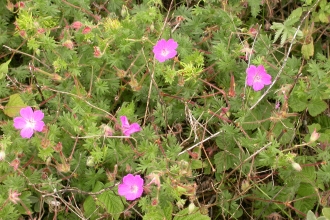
(81, 98)
(247, 159)
(195, 145)
(26, 54)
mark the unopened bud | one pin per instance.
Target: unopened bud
(90, 161)
(152, 28)
(14, 196)
(180, 203)
(154, 202)
(10, 6)
(68, 44)
(296, 166)
(56, 77)
(154, 178)
(124, 11)
(314, 136)
(48, 160)
(245, 185)
(15, 163)
(191, 208)
(63, 168)
(86, 30)
(97, 52)
(76, 25)
(2, 155)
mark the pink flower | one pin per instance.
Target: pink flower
(165, 50)
(29, 122)
(132, 187)
(76, 25)
(257, 77)
(127, 128)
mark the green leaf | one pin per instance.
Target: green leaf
(184, 215)
(310, 215)
(90, 205)
(326, 212)
(112, 203)
(4, 68)
(255, 7)
(14, 105)
(306, 189)
(297, 104)
(316, 107)
(154, 215)
(304, 204)
(168, 211)
(197, 164)
(225, 161)
(279, 27)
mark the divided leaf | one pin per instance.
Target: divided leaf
(112, 203)
(316, 107)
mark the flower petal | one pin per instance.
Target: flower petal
(27, 112)
(129, 179)
(138, 180)
(39, 126)
(123, 189)
(139, 192)
(258, 86)
(171, 54)
(135, 127)
(250, 79)
(159, 46)
(160, 58)
(38, 115)
(124, 121)
(266, 79)
(260, 69)
(26, 132)
(19, 122)
(171, 44)
(132, 196)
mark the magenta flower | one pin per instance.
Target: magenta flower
(127, 128)
(29, 122)
(257, 77)
(165, 50)
(132, 187)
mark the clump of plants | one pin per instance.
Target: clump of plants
(164, 109)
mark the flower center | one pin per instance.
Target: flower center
(165, 52)
(257, 78)
(30, 123)
(134, 189)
